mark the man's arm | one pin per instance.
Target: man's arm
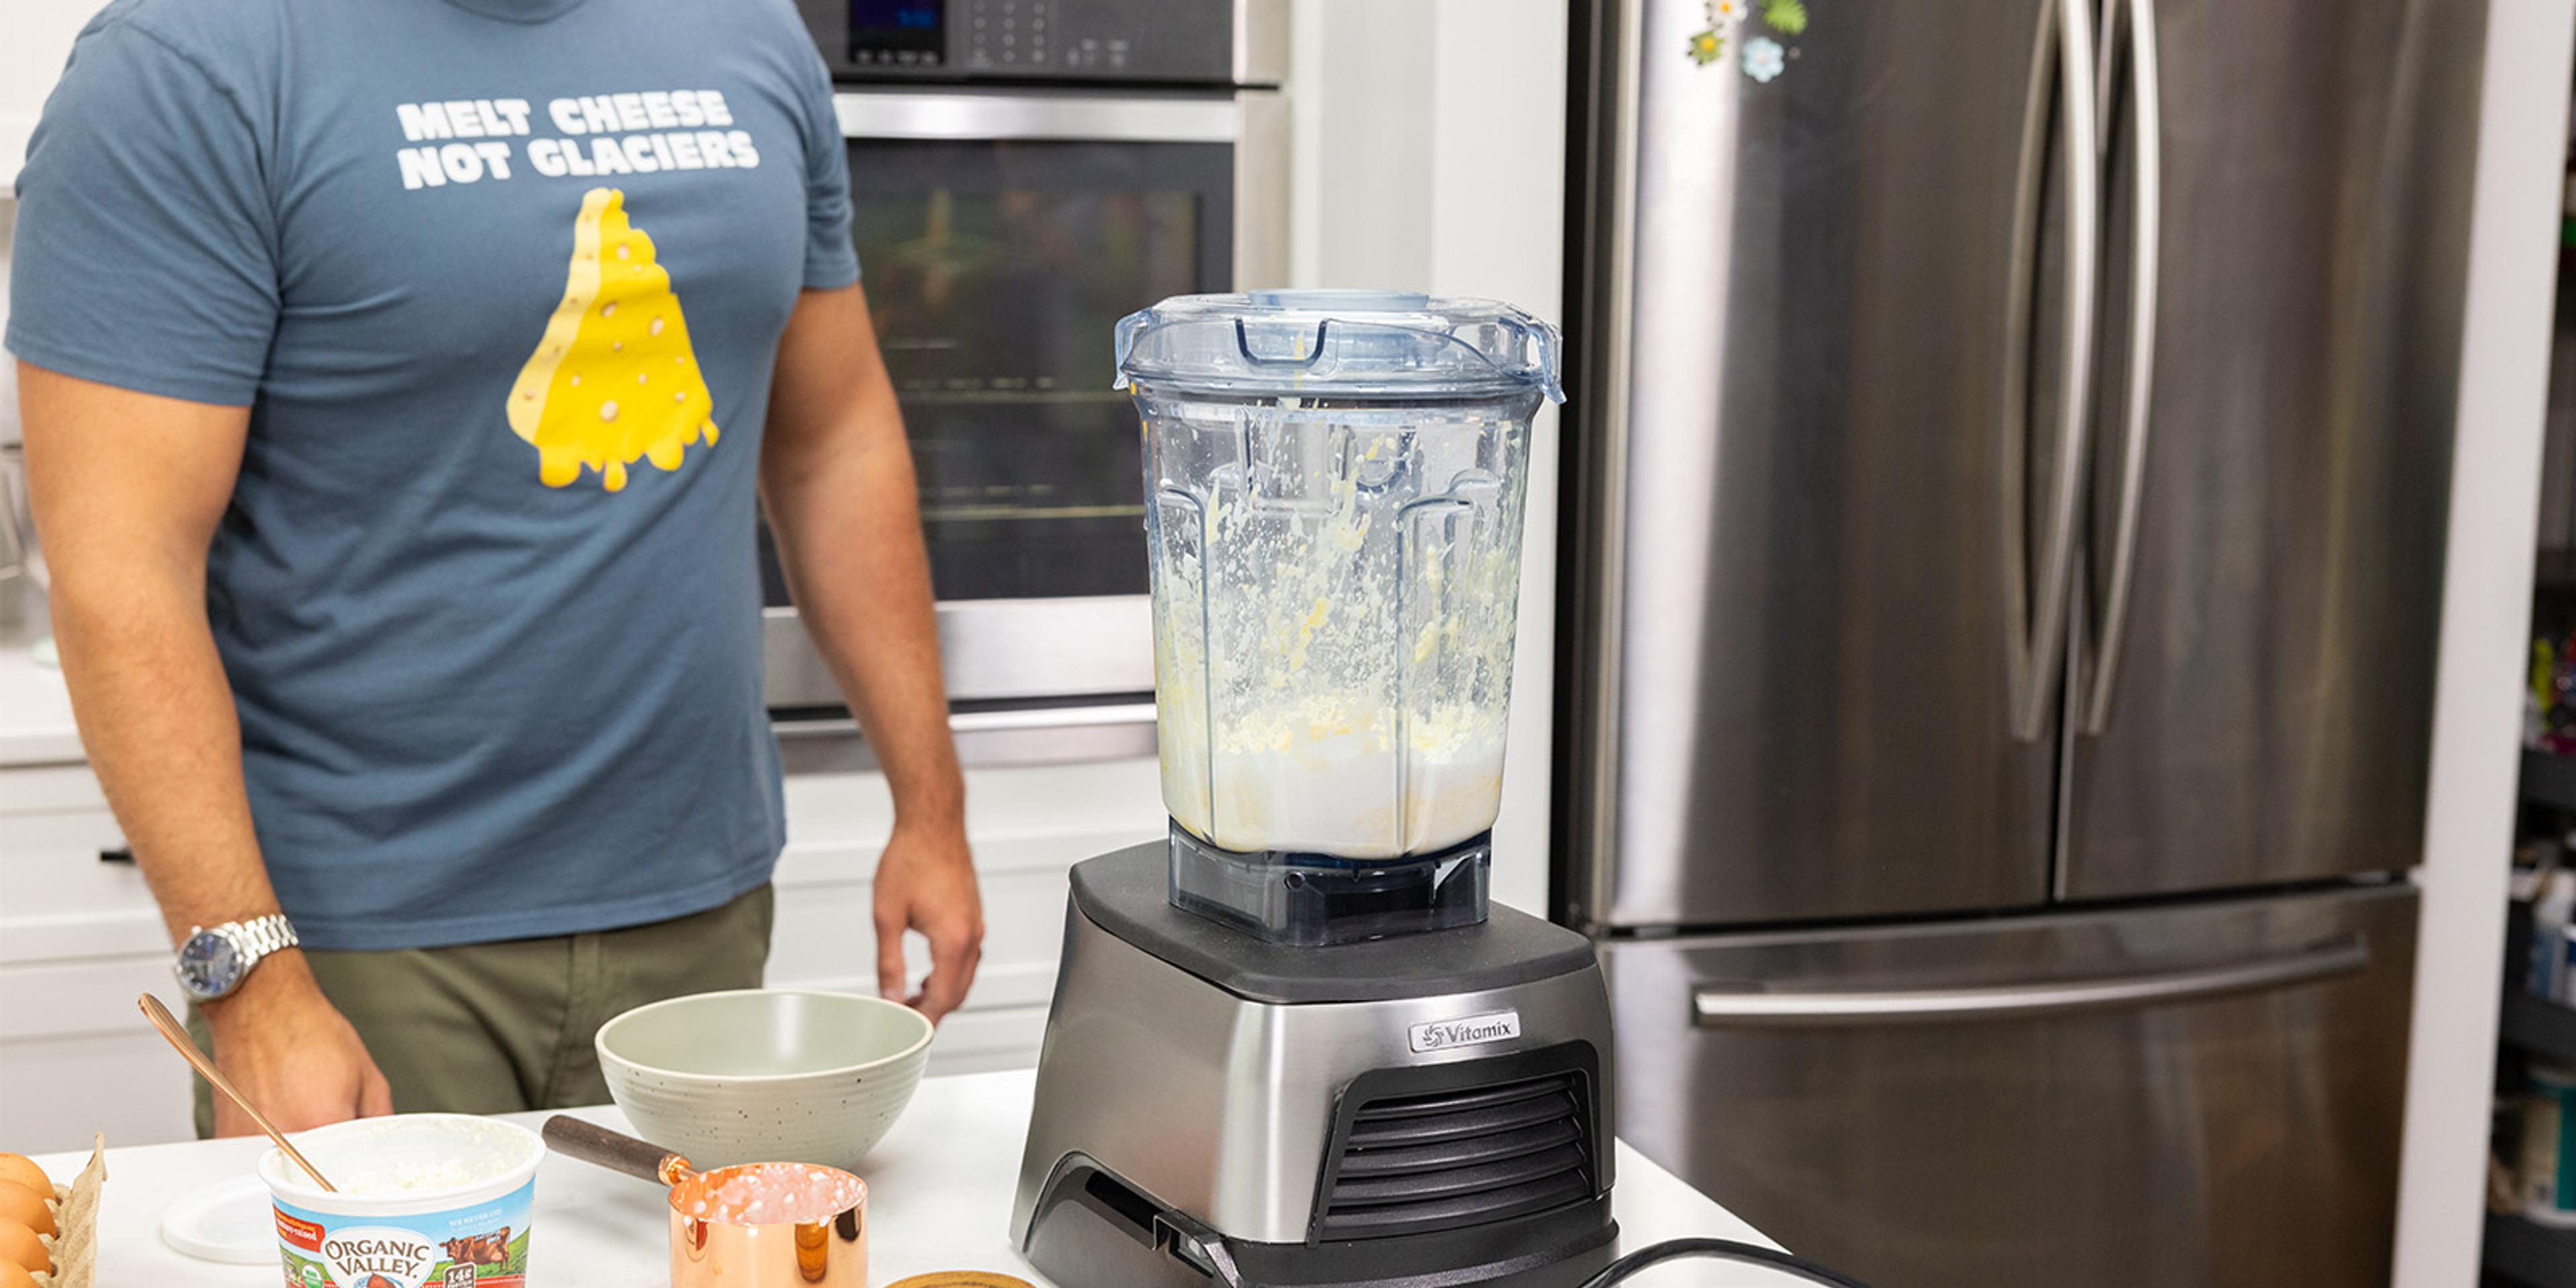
(836, 475)
(127, 489)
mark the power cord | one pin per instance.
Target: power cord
(1722, 1250)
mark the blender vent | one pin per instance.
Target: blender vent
(1442, 1161)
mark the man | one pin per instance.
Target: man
(397, 378)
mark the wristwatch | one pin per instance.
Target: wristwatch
(215, 960)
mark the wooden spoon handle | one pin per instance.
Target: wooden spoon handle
(176, 1035)
(616, 1151)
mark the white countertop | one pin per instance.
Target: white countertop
(939, 1199)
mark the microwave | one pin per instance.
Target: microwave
(1024, 173)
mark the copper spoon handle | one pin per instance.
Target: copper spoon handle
(177, 1036)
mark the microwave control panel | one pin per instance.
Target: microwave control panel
(1151, 41)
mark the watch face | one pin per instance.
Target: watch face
(209, 965)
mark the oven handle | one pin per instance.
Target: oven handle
(1069, 117)
(1007, 720)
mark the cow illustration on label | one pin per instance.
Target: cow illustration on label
(481, 1250)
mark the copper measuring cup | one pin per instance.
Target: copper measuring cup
(706, 1252)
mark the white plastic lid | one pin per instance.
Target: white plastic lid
(1339, 343)
(229, 1221)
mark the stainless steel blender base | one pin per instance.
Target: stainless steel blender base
(1211, 1108)
(1088, 1236)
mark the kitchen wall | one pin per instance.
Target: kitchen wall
(34, 37)
(1430, 156)
(2504, 377)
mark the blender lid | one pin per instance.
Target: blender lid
(1338, 343)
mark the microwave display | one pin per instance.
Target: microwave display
(901, 33)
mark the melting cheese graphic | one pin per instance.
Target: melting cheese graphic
(614, 377)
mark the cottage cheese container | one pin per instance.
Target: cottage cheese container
(436, 1200)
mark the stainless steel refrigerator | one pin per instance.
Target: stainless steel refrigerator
(2003, 546)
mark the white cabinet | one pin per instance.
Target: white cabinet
(1027, 826)
(79, 936)
(78, 939)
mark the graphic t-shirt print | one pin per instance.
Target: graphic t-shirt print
(613, 379)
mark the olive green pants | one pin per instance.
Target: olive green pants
(505, 1027)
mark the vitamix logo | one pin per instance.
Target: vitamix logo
(1441, 1035)
(362, 1258)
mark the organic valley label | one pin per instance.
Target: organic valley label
(372, 1255)
(479, 1245)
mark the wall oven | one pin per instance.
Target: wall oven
(1024, 173)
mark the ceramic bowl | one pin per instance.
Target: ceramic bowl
(765, 1075)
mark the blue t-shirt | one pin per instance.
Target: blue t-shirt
(501, 282)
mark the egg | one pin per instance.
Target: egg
(27, 1208)
(15, 1167)
(13, 1277)
(20, 1247)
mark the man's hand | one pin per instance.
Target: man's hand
(926, 881)
(292, 1053)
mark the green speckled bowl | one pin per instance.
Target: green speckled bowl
(765, 1075)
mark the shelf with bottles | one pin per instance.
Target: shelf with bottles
(2540, 920)
(2531, 1171)
(2549, 710)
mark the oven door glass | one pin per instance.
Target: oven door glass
(995, 272)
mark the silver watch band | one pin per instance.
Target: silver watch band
(260, 936)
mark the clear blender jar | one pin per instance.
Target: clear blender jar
(1334, 485)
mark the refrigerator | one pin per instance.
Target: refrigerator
(2002, 556)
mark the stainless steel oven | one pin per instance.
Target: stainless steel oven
(1024, 173)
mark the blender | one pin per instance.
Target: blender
(1291, 1043)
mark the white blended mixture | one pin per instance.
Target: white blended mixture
(1333, 630)
(1327, 775)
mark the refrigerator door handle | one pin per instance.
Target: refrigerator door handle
(2147, 119)
(2034, 660)
(1718, 1008)
(1616, 353)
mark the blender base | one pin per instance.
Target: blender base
(1292, 897)
(1430, 1110)
(1092, 1229)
